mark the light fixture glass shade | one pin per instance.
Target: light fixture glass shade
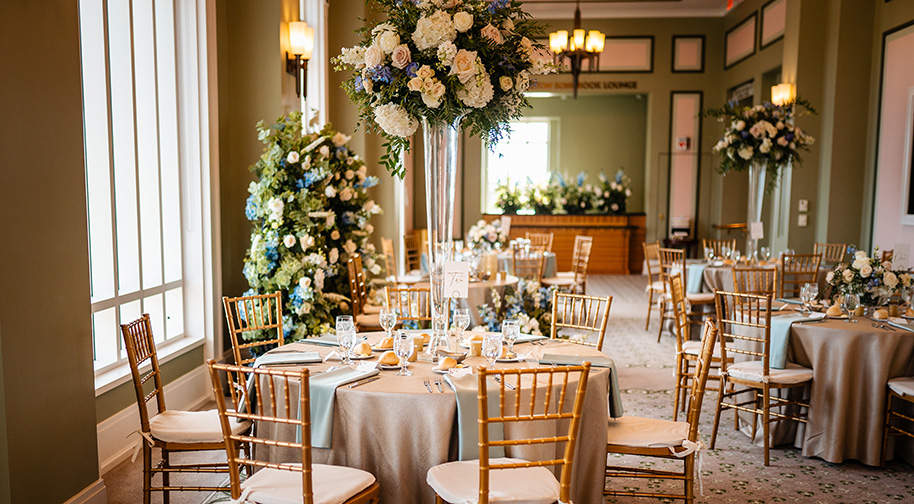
(578, 39)
(558, 41)
(301, 39)
(599, 40)
(782, 93)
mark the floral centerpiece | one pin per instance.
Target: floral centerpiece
(486, 235)
(558, 197)
(529, 302)
(310, 211)
(873, 280)
(763, 134)
(443, 60)
(509, 198)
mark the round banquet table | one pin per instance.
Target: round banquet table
(721, 278)
(395, 429)
(506, 263)
(479, 292)
(851, 364)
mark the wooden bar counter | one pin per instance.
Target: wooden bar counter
(616, 238)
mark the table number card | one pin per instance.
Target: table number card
(456, 279)
(506, 224)
(756, 231)
(901, 256)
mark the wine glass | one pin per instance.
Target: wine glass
(813, 293)
(491, 349)
(345, 336)
(766, 253)
(388, 319)
(725, 251)
(709, 254)
(808, 292)
(462, 321)
(403, 348)
(510, 330)
(850, 304)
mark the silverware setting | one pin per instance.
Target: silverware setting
(428, 385)
(498, 379)
(438, 383)
(363, 382)
(883, 326)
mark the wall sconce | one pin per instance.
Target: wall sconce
(782, 94)
(301, 42)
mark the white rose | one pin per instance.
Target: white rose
(463, 21)
(858, 263)
(373, 56)
(289, 241)
(866, 271)
(330, 192)
(401, 56)
(346, 194)
(349, 174)
(324, 150)
(848, 275)
(505, 83)
(340, 139)
(830, 276)
(415, 84)
(304, 282)
(740, 125)
(306, 242)
(490, 32)
(334, 255)
(745, 152)
(430, 100)
(335, 235)
(782, 142)
(765, 148)
(387, 41)
(292, 158)
(349, 247)
(464, 65)
(860, 254)
(438, 90)
(890, 280)
(425, 72)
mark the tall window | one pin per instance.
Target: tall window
(131, 60)
(523, 158)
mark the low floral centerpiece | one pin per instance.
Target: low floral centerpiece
(486, 235)
(873, 280)
(443, 60)
(529, 302)
(310, 211)
(558, 197)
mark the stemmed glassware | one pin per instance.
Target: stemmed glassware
(388, 319)
(403, 348)
(766, 253)
(808, 293)
(725, 251)
(850, 304)
(491, 348)
(462, 321)
(709, 254)
(345, 336)
(510, 330)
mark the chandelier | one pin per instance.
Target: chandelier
(578, 48)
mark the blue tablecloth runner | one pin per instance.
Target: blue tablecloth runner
(780, 337)
(615, 395)
(696, 278)
(466, 389)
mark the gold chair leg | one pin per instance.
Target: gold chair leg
(766, 396)
(438, 499)
(679, 385)
(885, 429)
(650, 304)
(720, 398)
(166, 477)
(690, 479)
(147, 472)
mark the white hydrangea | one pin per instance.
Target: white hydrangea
(446, 52)
(275, 205)
(478, 92)
(354, 56)
(395, 120)
(432, 30)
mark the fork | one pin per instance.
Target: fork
(438, 384)
(428, 385)
(498, 379)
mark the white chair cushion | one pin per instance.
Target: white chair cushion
(458, 483)
(370, 309)
(752, 370)
(641, 432)
(700, 297)
(191, 426)
(693, 347)
(902, 386)
(558, 281)
(331, 485)
(369, 320)
(656, 286)
(564, 273)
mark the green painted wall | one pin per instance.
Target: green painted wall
(49, 453)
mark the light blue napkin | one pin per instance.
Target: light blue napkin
(615, 395)
(287, 358)
(326, 339)
(903, 327)
(790, 301)
(780, 337)
(527, 338)
(323, 392)
(696, 278)
(466, 389)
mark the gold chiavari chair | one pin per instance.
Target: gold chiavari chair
(830, 252)
(901, 389)
(171, 431)
(674, 440)
(411, 303)
(673, 261)
(756, 281)
(744, 325)
(457, 482)
(390, 259)
(366, 316)
(540, 240)
(412, 247)
(259, 313)
(654, 282)
(576, 279)
(528, 264)
(579, 313)
(275, 404)
(797, 269)
(718, 245)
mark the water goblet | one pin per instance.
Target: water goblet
(462, 321)
(766, 253)
(510, 330)
(491, 349)
(850, 304)
(345, 335)
(813, 292)
(388, 319)
(403, 348)
(725, 251)
(709, 254)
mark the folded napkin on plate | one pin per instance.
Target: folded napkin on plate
(780, 336)
(323, 392)
(527, 338)
(696, 278)
(287, 358)
(466, 390)
(323, 339)
(900, 323)
(615, 395)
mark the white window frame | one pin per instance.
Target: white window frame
(488, 199)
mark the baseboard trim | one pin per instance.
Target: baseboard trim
(92, 494)
(117, 435)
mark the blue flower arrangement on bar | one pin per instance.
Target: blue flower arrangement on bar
(310, 211)
(558, 197)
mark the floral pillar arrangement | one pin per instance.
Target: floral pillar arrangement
(448, 65)
(764, 141)
(310, 211)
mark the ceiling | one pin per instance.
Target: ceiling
(564, 9)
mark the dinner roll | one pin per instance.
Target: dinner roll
(362, 348)
(387, 342)
(389, 358)
(446, 363)
(425, 338)
(834, 311)
(909, 312)
(881, 313)
(476, 337)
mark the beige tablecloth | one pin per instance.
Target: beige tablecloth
(721, 278)
(396, 430)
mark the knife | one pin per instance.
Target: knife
(363, 382)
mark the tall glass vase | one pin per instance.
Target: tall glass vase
(757, 171)
(440, 182)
